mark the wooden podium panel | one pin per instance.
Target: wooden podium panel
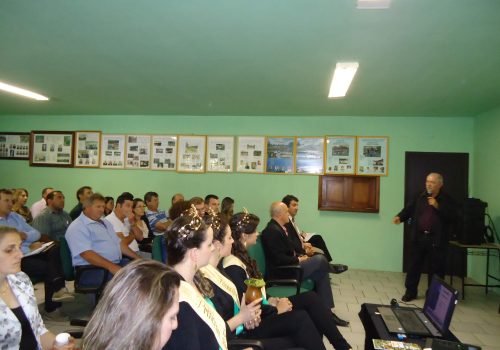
(349, 193)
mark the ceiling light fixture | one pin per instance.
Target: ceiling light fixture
(373, 4)
(342, 78)
(23, 92)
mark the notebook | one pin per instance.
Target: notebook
(432, 321)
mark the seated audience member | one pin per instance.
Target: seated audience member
(276, 327)
(140, 227)
(93, 241)
(279, 251)
(109, 205)
(82, 195)
(53, 220)
(177, 209)
(227, 207)
(178, 197)
(314, 244)
(157, 218)
(199, 204)
(119, 218)
(138, 309)
(240, 266)
(19, 199)
(45, 265)
(22, 325)
(40, 205)
(189, 246)
(212, 202)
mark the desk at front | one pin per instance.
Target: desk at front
(375, 328)
(464, 249)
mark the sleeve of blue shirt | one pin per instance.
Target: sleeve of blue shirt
(79, 240)
(32, 235)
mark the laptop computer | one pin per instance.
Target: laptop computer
(432, 321)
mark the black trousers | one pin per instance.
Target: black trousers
(322, 318)
(274, 330)
(46, 266)
(318, 242)
(424, 249)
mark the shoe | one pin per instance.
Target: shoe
(338, 268)
(408, 297)
(62, 294)
(340, 322)
(54, 316)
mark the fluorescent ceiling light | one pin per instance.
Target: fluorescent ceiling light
(18, 91)
(373, 4)
(342, 78)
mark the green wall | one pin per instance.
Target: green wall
(486, 170)
(367, 241)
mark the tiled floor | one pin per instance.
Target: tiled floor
(476, 319)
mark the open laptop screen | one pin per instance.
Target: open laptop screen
(440, 304)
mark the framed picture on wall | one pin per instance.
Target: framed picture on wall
(87, 149)
(164, 152)
(112, 151)
(220, 153)
(14, 145)
(191, 154)
(340, 154)
(52, 148)
(372, 154)
(280, 155)
(138, 154)
(309, 155)
(250, 154)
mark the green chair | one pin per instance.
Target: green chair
(280, 287)
(159, 250)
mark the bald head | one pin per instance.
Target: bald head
(433, 183)
(279, 212)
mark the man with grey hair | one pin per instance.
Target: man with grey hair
(279, 251)
(38, 206)
(432, 212)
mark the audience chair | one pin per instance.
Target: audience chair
(159, 250)
(72, 274)
(280, 287)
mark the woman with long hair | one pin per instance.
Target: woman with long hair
(189, 247)
(138, 309)
(19, 200)
(239, 266)
(277, 327)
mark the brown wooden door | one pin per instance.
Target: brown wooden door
(455, 170)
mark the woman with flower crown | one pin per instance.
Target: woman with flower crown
(275, 328)
(239, 266)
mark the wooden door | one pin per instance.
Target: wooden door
(455, 170)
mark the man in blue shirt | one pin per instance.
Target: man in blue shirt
(93, 241)
(45, 266)
(53, 220)
(158, 219)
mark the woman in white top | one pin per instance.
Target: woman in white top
(21, 325)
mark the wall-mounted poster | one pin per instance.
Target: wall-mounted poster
(14, 145)
(372, 155)
(191, 154)
(164, 152)
(280, 155)
(309, 155)
(250, 154)
(112, 151)
(138, 152)
(52, 148)
(220, 153)
(87, 149)
(340, 154)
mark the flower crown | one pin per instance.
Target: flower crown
(215, 220)
(245, 220)
(194, 224)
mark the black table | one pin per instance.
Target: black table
(376, 329)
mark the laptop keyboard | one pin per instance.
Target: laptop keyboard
(410, 321)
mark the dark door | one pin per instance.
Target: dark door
(455, 170)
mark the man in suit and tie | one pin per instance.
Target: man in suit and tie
(279, 250)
